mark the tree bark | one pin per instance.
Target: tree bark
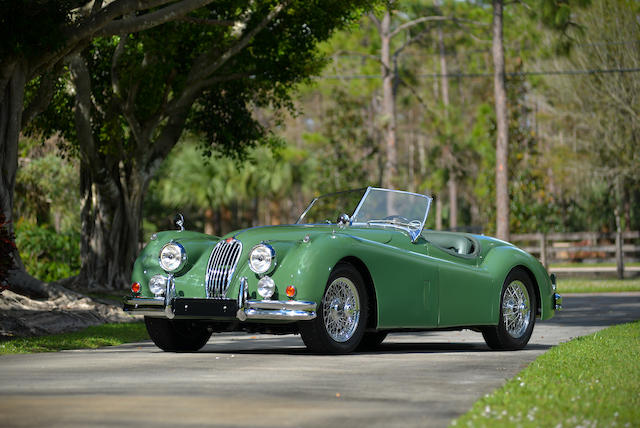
(502, 142)
(11, 107)
(388, 103)
(112, 192)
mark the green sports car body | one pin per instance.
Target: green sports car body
(356, 266)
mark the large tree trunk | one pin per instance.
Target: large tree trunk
(388, 102)
(111, 219)
(112, 195)
(11, 107)
(502, 142)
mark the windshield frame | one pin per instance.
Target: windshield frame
(413, 232)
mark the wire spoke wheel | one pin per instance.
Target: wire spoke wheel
(342, 313)
(341, 309)
(518, 304)
(516, 309)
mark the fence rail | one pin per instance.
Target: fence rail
(579, 246)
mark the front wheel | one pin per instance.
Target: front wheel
(517, 314)
(177, 335)
(341, 316)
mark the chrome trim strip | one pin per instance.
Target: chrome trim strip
(293, 305)
(279, 315)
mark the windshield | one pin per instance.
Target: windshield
(380, 207)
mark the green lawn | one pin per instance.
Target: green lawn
(591, 381)
(91, 337)
(581, 285)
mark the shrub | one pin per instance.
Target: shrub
(47, 254)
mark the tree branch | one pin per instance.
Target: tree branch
(205, 21)
(43, 96)
(238, 46)
(417, 21)
(375, 21)
(151, 19)
(84, 29)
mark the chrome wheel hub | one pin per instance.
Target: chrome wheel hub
(516, 309)
(341, 309)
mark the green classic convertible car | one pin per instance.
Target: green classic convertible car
(356, 266)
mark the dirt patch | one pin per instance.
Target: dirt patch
(65, 311)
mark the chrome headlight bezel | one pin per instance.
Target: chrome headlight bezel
(179, 255)
(262, 259)
(158, 285)
(266, 287)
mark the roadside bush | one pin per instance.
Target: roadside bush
(47, 254)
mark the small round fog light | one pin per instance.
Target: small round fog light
(266, 287)
(158, 284)
(291, 291)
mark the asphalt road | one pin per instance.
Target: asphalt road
(423, 380)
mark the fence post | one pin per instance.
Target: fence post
(619, 252)
(543, 250)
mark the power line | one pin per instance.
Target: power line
(472, 75)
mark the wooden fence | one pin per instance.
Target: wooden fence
(591, 247)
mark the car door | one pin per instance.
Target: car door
(464, 288)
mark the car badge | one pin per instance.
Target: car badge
(229, 240)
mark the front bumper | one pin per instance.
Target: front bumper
(242, 308)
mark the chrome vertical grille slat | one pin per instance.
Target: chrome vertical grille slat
(222, 264)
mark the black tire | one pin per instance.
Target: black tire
(372, 340)
(177, 335)
(323, 334)
(517, 314)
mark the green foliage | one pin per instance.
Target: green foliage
(579, 383)
(47, 188)
(89, 338)
(47, 254)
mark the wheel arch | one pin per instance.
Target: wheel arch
(362, 268)
(534, 283)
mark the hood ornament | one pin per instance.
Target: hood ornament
(179, 221)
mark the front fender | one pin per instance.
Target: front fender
(501, 260)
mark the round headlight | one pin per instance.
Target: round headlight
(266, 287)
(172, 257)
(262, 258)
(158, 284)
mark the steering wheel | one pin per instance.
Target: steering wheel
(397, 217)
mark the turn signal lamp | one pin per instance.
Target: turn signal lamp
(135, 288)
(291, 291)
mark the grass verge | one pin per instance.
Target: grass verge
(91, 337)
(581, 285)
(590, 381)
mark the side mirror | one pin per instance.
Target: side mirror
(343, 220)
(179, 221)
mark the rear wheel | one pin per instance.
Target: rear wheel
(177, 335)
(341, 316)
(517, 314)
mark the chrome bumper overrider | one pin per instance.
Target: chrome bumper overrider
(557, 301)
(242, 308)
(557, 298)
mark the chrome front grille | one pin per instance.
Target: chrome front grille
(222, 264)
